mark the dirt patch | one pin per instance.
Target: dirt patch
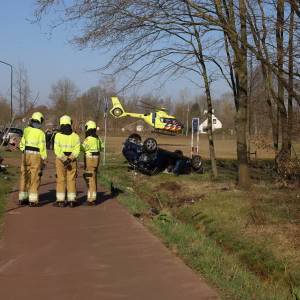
(170, 186)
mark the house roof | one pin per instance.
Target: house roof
(204, 118)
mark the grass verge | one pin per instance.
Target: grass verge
(246, 244)
(7, 182)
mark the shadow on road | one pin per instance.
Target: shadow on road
(48, 197)
(101, 198)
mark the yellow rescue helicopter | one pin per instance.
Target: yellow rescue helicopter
(160, 120)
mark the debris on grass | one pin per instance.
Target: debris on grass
(3, 168)
(187, 200)
(153, 211)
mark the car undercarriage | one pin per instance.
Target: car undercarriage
(147, 158)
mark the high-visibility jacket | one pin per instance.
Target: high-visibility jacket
(34, 138)
(92, 145)
(66, 145)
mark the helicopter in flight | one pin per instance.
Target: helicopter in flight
(160, 120)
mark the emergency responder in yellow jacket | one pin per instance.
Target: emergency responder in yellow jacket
(66, 149)
(92, 146)
(33, 146)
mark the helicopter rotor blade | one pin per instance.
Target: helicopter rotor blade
(151, 106)
(147, 109)
(147, 104)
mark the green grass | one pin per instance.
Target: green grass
(224, 270)
(126, 194)
(255, 253)
(7, 181)
(244, 243)
(4, 189)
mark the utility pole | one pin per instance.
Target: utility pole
(11, 87)
(105, 128)
(187, 119)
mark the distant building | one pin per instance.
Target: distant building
(216, 124)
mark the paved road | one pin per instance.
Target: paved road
(87, 253)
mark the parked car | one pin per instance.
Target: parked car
(149, 159)
(10, 134)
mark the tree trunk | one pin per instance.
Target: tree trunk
(209, 122)
(204, 73)
(241, 115)
(249, 108)
(284, 151)
(239, 47)
(273, 119)
(231, 71)
(209, 114)
(241, 130)
(291, 80)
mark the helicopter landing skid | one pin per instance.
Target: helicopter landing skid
(164, 132)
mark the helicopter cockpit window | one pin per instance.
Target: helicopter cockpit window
(168, 120)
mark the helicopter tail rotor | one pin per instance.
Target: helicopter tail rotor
(117, 110)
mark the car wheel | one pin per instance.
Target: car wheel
(150, 145)
(197, 164)
(136, 137)
(117, 112)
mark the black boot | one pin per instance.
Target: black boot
(61, 204)
(72, 204)
(23, 202)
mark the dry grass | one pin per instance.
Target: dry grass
(225, 146)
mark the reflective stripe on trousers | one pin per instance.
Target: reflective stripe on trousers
(91, 196)
(60, 197)
(71, 197)
(23, 196)
(33, 197)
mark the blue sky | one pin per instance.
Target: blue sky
(49, 58)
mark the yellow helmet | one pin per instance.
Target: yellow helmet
(65, 120)
(37, 116)
(90, 125)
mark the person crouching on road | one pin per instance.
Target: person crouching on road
(33, 146)
(92, 146)
(66, 149)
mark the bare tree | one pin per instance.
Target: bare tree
(91, 102)
(4, 111)
(175, 37)
(274, 34)
(63, 92)
(291, 52)
(227, 15)
(150, 38)
(23, 91)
